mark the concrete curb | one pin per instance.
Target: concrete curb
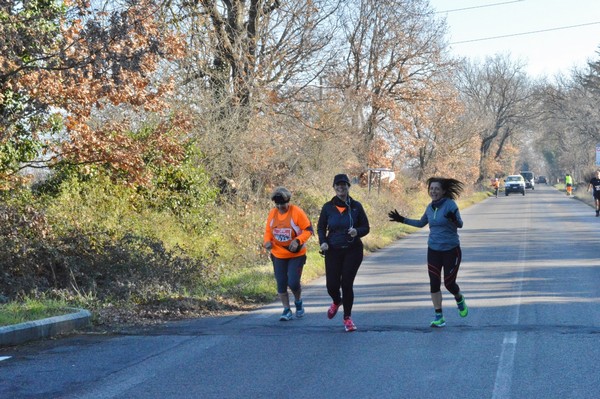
(44, 328)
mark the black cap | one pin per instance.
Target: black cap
(341, 178)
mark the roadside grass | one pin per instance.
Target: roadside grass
(31, 309)
(579, 193)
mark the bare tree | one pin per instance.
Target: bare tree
(571, 122)
(249, 62)
(238, 48)
(394, 55)
(499, 93)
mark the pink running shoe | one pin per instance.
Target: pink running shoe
(332, 311)
(349, 325)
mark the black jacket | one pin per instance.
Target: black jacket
(333, 226)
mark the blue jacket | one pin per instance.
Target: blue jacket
(333, 226)
(443, 233)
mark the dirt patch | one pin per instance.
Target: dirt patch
(114, 318)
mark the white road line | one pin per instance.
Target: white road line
(4, 358)
(503, 383)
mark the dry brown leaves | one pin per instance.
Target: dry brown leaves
(115, 318)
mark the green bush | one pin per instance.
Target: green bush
(23, 246)
(94, 237)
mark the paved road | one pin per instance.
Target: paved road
(530, 274)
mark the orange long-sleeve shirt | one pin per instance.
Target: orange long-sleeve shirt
(281, 229)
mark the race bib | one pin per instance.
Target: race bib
(282, 234)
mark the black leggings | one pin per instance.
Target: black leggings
(341, 266)
(450, 262)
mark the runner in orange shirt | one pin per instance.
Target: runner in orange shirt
(286, 232)
(496, 186)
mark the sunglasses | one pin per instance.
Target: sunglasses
(280, 200)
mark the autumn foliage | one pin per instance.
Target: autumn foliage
(64, 65)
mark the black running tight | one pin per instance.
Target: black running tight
(450, 262)
(341, 266)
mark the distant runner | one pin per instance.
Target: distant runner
(496, 186)
(569, 184)
(595, 185)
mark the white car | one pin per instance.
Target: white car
(514, 184)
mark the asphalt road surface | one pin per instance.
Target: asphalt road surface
(530, 274)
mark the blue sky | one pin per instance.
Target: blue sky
(570, 31)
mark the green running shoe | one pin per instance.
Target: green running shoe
(463, 309)
(439, 321)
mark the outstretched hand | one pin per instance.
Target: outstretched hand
(395, 216)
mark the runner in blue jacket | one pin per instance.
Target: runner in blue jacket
(443, 217)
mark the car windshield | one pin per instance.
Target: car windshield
(513, 178)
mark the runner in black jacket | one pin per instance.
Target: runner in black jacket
(342, 223)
